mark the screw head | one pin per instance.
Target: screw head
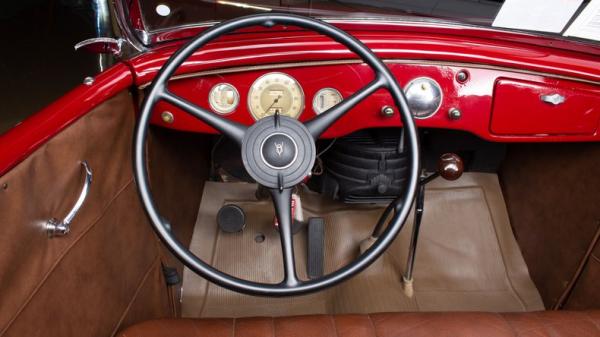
(454, 114)
(167, 117)
(88, 80)
(462, 76)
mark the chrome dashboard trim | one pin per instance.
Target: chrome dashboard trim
(387, 61)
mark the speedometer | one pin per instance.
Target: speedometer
(275, 93)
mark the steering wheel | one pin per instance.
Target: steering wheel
(279, 153)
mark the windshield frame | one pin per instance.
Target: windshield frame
(132, 22)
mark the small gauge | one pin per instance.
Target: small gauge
(275, 93)
(325, 99)
(424, 97)
(223, 98)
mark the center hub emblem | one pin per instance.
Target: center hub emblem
(279, 151)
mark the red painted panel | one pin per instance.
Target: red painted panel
(424, 28)
(474, 50)
(26, 137)
(473, 98)
(269, 48)
(519, 110)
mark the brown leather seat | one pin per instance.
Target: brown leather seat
(538, 324)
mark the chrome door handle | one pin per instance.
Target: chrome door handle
(554, 99)
(55, 227)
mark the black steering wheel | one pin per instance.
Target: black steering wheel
(278, 152)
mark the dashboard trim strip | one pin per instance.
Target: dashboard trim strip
(387, 61)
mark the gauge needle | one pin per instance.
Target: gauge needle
(274, 101)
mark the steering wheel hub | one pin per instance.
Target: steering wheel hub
(278, 152)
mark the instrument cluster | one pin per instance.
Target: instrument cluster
(278, 92)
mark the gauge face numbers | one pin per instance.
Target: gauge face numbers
(325, 99)
(223, 98)
(275, 92)
(424, 97)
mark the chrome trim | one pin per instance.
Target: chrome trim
(387, 61)
(215, 107)
(89, 80)
(116, 44)
(54, 227)
(418, 104)
(554, 99)
(103, 29)
(314, 100)
(121, 17)
(252, 68)
(397, 20)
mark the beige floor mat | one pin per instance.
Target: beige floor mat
(467, 258)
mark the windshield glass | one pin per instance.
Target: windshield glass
(543, 16)
(161, 14)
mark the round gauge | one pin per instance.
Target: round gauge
(325, 99)
(223, 98)
(424, 97)
(275, 93)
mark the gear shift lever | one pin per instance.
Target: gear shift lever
(450, 167)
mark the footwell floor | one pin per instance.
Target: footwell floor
(467, 257)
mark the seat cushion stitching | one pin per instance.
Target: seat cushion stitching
(273, 326)
(332, 319)
(155, 263)
(594, 322)
(372, 325)
(197, 330)
(510, 327)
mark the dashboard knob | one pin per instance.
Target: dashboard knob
(454, 114)
(387, 111)
(450, 166)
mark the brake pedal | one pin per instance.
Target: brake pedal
(316, 247)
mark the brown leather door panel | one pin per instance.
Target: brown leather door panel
(84, 283)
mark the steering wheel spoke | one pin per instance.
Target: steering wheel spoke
(227, 127)
(322, 122)
(282, 200)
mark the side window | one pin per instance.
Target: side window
(38, 63)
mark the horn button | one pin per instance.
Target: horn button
(278, 152)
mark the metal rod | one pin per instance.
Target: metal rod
(103, 28)
(419, 207)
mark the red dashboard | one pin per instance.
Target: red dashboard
(509, 96)
(494, 104)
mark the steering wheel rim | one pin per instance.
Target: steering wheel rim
(291, 285)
